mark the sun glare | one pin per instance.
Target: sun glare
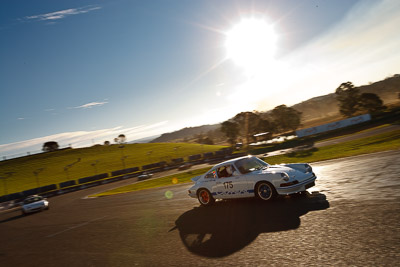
(251, 44)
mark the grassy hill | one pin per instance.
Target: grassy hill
(326, 106)
(315, 111)
(72, 164)
(187, 133)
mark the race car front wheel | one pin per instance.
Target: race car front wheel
(265, 191)
(205, 198)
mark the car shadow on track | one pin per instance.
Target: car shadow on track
(14, 217)
(228, 226)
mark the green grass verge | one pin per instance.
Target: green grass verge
(381, 142)
(153, 183)
(377, 143)
(358, 132)
(89, 161)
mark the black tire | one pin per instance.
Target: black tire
(265, 191)
(205, 198)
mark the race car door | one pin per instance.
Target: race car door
(230, 184)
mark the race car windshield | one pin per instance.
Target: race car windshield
(31, 200)
(247, 165)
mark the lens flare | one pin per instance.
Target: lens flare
(174, 180)
(169, 194)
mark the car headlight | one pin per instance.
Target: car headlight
(285, 176)
(308, 168)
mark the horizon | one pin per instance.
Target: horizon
(82, 73)
(146, 139)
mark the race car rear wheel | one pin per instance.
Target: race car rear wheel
(205, 198)
(265, 191)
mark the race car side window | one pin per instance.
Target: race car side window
(225, 171)
(234, 171)
(211, 174)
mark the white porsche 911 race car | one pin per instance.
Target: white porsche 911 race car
(34, 203)
(249, 176)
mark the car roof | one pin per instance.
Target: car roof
(232, 161)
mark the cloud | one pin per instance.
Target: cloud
(82, 138)
(143, 130)
(62, 13)
(92, 104)
(20, 118)
(63, 139)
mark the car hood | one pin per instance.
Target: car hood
(278, 169)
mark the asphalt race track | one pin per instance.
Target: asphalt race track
(353, 221)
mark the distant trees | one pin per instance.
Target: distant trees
(231, 130)
(50, 146)
(216, 135)
(371, 102)
(351, 102)
(121, 139)
(248, 124)
(205, 140)
(264, 125)
(199, 138)
(348, 97)
(252, 123)
(106, 143)
(286, 118)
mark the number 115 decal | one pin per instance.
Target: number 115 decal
(228, 185)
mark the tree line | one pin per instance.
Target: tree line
(351, 102)
(53, 145)
(246, 125)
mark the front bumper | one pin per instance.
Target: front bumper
(192, 192)
(302, 186)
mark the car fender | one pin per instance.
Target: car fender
(274, 178)
(209, 185)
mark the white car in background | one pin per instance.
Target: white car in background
(145, 175)
(34, 203)
(249, 176)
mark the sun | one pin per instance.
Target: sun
(251, 43)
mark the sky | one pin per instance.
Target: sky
(83, 72)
